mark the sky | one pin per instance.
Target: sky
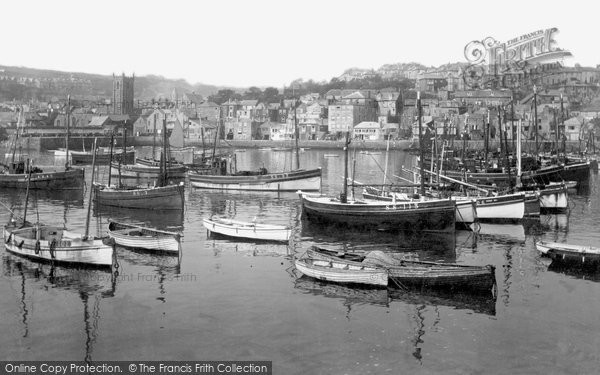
(242, 43)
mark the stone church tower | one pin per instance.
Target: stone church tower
(123, 95)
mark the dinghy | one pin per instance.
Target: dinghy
(140, 237)
(250, 230)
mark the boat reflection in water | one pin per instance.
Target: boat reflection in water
(44, 280)
(589, 271)
(169, 220)
(431, 246)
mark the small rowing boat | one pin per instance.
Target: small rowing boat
(250, 230)
(566, 252)
(409, 272)
(341, 272)
(140, 237)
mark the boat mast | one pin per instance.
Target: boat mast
(27, 192)
(510, 182)
(112, 137)
(16, 137)
(68, 112)
(344, 195)
(562, 122)
(154, 139)
(89, 211)
(387, 153)
(535, 121)
(486, 130)
(296, 134)
(518, 183)
(163, 170)
(421, 143)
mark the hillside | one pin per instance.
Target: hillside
(23, 83)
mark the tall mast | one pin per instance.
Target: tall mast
(163, 177)
(296, 134)
(421, 146)
(27, 193)
(535, 121)
(344, 196)
(89, 211)
(16, 137)
(562, 122)
(154, 139)
(110, 157)
(486, 130)
(68, 112)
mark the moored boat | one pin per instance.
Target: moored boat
(249, 230)
(141, 237)
(308, 180)
(54, 244)
(103, 156)
(416, 273)
(169, 197)
(341, 272)
(568, 252)
(433, 215)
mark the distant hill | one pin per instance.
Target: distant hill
(23, 83)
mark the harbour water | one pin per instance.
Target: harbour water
(233, 300)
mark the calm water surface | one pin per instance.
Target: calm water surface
(231, 300)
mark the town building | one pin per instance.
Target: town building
(123, 95)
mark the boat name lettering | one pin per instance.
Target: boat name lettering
(142, 192)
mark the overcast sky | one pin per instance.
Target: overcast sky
(271, 43)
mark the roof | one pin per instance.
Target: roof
(368, 125)
(354, 95)
(249, 103)
(98, 121)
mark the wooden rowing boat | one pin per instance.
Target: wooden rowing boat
(567, 252)
(416, 273)
(140, 237)
(54, 244)
(341, 272)
(251, 230)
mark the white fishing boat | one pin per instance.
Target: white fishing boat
(250, 230)
(341, 272)
(568, 252)
(140, 237)
(54, 244)
(502, 208)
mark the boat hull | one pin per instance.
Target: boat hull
(70, 248)
(421, 274)
(434, 215)
(339, 272)
(83, 158)
(252, 231)
(143, 238)
(72, 179)
(503, 208)
(174, 173)
(170, 197)
(307, 180)
(569, 253)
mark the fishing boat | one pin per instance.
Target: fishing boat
(56, 244)
(261, 180)
(567, 252)
(415, 273)
(341, 272)
(16, 172)
(161, 196)
(250, 230)
(465, 213)
(434, 214)
(501, 208)
(141, 237)
(52, 243)
(103, 156)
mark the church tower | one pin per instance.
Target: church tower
(123, 95)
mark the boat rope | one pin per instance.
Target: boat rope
(397, 282)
